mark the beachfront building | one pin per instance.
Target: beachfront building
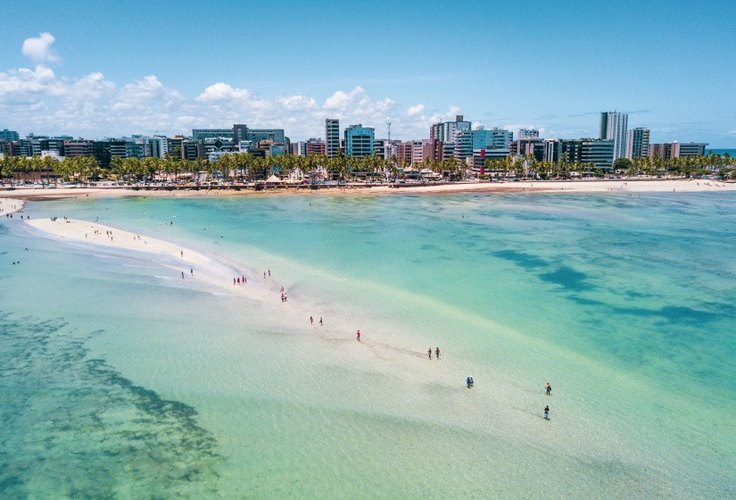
(332, 137)
(464, 144)
(613, 128)
(670, 150)
(637, 143)
(386, 149)
(359, 141)
(432, 149)
(552, 150)
(689, 149)
(495, 138)
(598, 152)
(446, 131)
(8, 135)
(200, 134)
(158, 146)
(78, 147)
(240, 133)
(479, 157)
(315, 146)
(379, 148)
(528, 146)
(528, 133)
(299, 148)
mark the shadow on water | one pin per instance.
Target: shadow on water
(73, 426)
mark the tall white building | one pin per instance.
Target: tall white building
(613, 128)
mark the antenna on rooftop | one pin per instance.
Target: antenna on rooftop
(388, 122)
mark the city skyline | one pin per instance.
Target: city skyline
(542, 67)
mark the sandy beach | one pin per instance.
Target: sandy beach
(10, 205)
(634, 185)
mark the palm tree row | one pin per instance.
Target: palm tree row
(243, 167)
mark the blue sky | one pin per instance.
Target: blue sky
(103, 69)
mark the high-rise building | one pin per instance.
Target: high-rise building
(299, 148)
(417, 153)
(464, 141)
(79, 147)
(670, 150)
(637, 143)
(158, 146)
(613, 128)
(315, 147)
(359, 141)
(8, 135)
(552, 150)
(528, 133)
(598, 152)
(240, 132)
(200, 134)
(432, 149)
(446, 131)
(332, 137)
(528, 147)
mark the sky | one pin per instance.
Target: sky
(99, 69)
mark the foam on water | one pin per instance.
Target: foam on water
(600, 295)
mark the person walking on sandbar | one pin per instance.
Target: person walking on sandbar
(429, 353)
(546, 412)
(436, 352)
(357, 335)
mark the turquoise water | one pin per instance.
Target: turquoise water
(121, 379)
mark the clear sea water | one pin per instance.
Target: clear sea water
(120, 379)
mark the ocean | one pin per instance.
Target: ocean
(121, 379)
(730, 152)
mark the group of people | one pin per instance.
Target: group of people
(548, 392)
(436, 352)
(311, 320)
(284, 297)
(240, 280)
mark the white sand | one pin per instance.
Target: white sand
(10, 205)
(580, 186)
(99, 234)
(633, 185)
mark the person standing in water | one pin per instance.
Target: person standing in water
(546, 412)
(311, 320)
(436, 352)
(429, 353)
(548, 389)
(357, 335)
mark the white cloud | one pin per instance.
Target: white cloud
(222, 92)
(145, 93)
(92, 86)
(39, 49)
(415, 110)
(25, 81)
(298, 103)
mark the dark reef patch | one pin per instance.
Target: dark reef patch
(73, 426)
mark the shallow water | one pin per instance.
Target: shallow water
(624, 303)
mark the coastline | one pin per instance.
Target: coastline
(568, 186)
